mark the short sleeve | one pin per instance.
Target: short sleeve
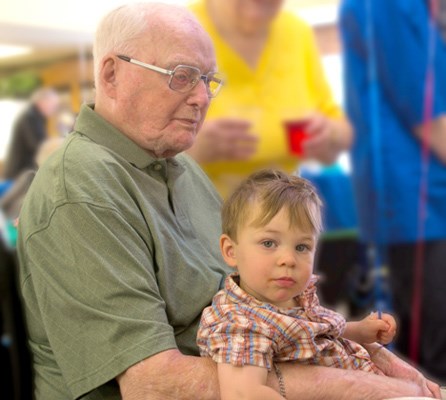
(97, 295)
(233, 337)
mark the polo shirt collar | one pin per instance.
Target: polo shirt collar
(92, 125)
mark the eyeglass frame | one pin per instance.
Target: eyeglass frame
(204, 78)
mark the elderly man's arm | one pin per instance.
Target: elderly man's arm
(320, 383)
(171, 375)
(393, 366)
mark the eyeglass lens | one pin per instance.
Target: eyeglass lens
(185, 78)
(215, 83)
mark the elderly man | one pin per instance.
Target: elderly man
(119, 232)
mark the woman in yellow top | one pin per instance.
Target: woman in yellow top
(273, 73)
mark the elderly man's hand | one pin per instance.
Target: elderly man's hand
(395, 367)
(224, 139)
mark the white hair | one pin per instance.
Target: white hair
(119, 30)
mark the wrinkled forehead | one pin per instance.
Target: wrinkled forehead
(181, 41)
(193, 47)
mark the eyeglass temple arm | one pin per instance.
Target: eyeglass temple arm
(144, 65)
(125, 58)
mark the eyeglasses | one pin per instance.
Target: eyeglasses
(184, 78)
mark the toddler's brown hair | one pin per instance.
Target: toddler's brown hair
(272, 190)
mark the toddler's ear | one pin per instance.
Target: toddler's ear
(227, 249)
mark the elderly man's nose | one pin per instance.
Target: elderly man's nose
(200, 94)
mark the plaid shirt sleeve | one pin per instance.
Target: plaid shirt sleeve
(234, 334)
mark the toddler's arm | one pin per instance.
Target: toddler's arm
(247, 382)
(371, 329)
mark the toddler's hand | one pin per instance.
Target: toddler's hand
(375, 329)
(387, 335)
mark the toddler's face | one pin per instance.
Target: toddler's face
(275, 261)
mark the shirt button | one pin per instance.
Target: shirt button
(239, 339)
(157, 167)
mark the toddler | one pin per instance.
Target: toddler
(268, 311)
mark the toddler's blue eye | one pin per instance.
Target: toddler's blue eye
(301, 247)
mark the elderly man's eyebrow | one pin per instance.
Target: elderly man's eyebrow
(172, 64)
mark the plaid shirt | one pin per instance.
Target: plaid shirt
(241, 330)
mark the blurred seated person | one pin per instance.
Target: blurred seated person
(11, 201)
(30, 130)
(273, 73)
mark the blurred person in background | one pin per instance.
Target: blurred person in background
(392, 54)
(11, 201)
(29, 131)
(118, 234)
(273, 73)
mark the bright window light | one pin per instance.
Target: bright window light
(9, 110)
(10, 51)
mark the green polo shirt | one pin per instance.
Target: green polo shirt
(118, 256)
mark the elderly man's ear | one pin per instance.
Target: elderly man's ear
(107, 75)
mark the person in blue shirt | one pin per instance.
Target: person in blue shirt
(390, 48)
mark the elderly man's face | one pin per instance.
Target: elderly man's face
(160, 120)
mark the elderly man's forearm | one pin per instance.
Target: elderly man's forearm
(170, 375)
(320, 383)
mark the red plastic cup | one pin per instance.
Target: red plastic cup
(297, 134)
